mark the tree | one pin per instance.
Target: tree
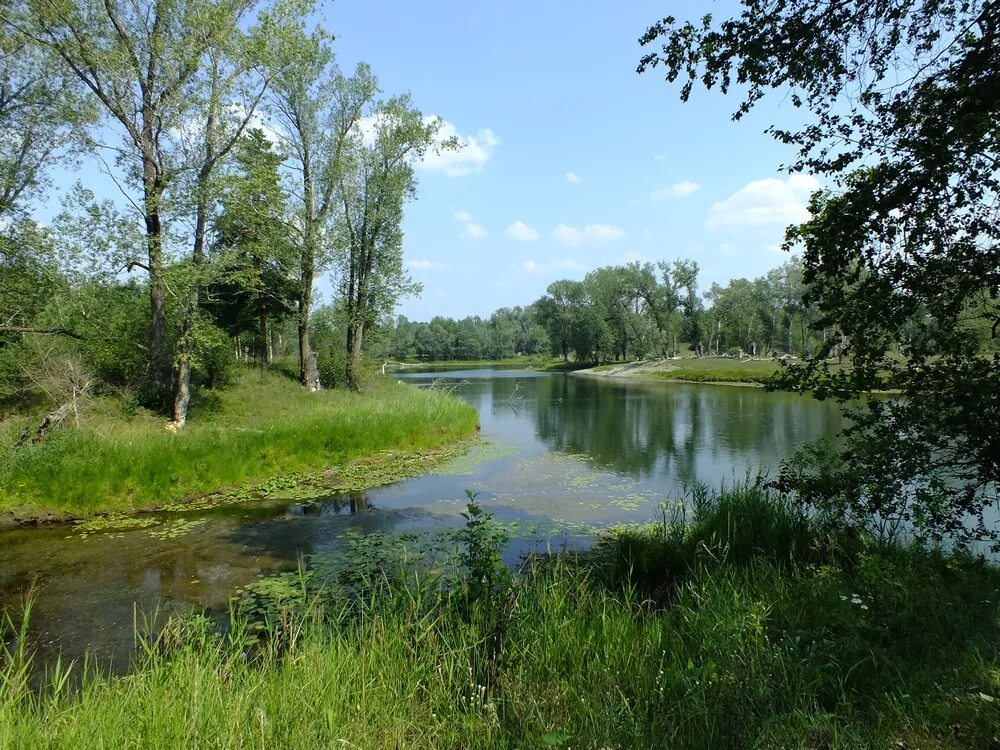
(374, 183)
(43, 115)
(318, 110)
(253, 282)
(556, 312)
(138, 60)
(903, 102)
(223, 102)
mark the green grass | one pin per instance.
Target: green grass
(543, 361)
(705, 370)
(767, 635)
(264, 425)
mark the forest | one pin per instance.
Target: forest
(635, 311)
(250, 165)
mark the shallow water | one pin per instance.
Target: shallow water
(565, 454)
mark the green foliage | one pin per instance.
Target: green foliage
(901, 249)
(486, 578)
(877, 646)
(43, 115)
(252, 284)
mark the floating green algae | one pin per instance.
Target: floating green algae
(479, 453)
(111, 523)
(175, 529)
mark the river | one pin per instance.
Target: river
(564, 454)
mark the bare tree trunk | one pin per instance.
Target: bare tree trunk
(265, 340)
(154, 249)
(354, 356)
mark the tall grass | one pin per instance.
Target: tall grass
(771, 637)
(262, 426)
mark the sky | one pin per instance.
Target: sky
(570, 159)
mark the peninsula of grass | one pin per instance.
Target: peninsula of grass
(264, 425)
(695, 370)
(528, 361)
(747, 628)
(705, 370)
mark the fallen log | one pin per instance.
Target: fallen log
(32, 329)
(52, 419)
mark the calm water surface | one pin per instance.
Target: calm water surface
(566, 454)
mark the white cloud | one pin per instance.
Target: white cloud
(555, 266)
(592, 234)
(573, 178)
(660, 157)
(425, 265)
(472, 154)
(473, 231)
(522, 232)
(677, 190)
(771, 202)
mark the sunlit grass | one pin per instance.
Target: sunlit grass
(263, 426)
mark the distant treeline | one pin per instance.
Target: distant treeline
(636, 310)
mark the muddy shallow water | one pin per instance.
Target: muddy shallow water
(564, 455)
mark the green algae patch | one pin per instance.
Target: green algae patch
(111, 524)
(376, 470)
(478, 453)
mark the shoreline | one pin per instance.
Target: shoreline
(659, 371)
(357, 475)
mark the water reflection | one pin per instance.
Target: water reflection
(567, 453)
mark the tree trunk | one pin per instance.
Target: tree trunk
(265, 340)
(308, 367)
(355, 334)
(160, 359)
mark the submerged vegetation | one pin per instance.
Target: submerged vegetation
(124, 462)
(748, 626)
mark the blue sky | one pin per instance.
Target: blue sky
(571, 160)
(574, 160)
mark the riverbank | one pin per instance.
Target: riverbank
(527, 362)
(263, 433)
(728, 371)
(747, 627)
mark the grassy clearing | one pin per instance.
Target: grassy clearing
(705, 370)
(263, 426)
(535, 361)
(746, 628)
(698, 370)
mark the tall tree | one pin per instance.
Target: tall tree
(253, 280)
(222, 101)
(318, 109)
(138, 60)
(903, 104)
(375, 182)
(43, 114)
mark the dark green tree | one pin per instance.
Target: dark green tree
(902, 101)
(254, 276)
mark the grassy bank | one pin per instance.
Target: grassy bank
(746, 628)
(695, 370)
(533, 361)
(263, 426)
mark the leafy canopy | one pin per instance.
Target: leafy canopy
(901, 251)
